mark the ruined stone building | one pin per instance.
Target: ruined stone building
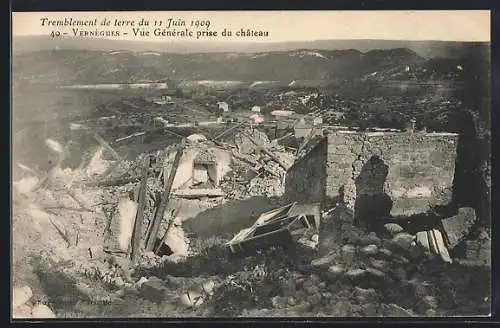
(379, 174)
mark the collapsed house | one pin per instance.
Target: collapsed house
(399, 174)
(200, 170)
(383, 177)
(107, 219)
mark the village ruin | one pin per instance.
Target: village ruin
(318, 179)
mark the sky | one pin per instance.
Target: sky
(285, 26)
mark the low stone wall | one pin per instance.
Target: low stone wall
(381, 173)
(305, 180)
(412, 170)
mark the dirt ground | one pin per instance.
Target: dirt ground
(274, 283)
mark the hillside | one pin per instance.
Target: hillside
(87, 67)
(428, 49)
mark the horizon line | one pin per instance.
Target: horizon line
(13, 37)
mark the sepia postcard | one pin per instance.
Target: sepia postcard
(284, 164)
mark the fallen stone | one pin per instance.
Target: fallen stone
(348, 248)
(300, 308)
(355, 273)
(327, 295)
(208, 287)
(420, 288)
(300, 296)
(120, 293)
(478, 251)
(430, 301)
(323, 262)
(21, 295)
(483, 235)
(307, 243)
(299, 282)
(42, 311)
(154, 290)
(119, 282)
(310, 288)
(371, 249)
(365, 294)
(23, 311)
(291, 301)
(458, 226)
(403, 241)
(393, 228)
(416, 252)
(378, 264)
(400, 259)
(431, 313)
(348, 253)
(375, 272)
(385, 252)
(192, 299)
(149, 255)
(393, 310)
(314, 299)
(369, 239)
(369, 310)
(423, 240)
(438, 247)
(334, 271)
(278, 302)
(400, 274)
(314, 278)
(340, 308)
(246, 145)
(141, 281)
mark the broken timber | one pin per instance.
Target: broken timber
(115, 182)
(73, 195)
(137, 134)
(106, 145)
(275, 227)
(199, 193)
(231, 128)
(169, 226)
(269, 153)
(256, 165)
(155, 226)
(50, 174)
(111, 169)
(283, 137)
(306, 141)
(137, 234)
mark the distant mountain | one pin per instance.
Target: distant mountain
(422, 48)
(91, 67)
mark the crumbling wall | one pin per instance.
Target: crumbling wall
(305, 180)
(185, 170)
(418, 168)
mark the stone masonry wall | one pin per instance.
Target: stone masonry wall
(306, 179)
(409, 171)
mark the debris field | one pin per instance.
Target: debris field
(203, 229)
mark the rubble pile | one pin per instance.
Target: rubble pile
(116, 229)
(88, 215)
(24, 307)
(356, 275)
(259, 167)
